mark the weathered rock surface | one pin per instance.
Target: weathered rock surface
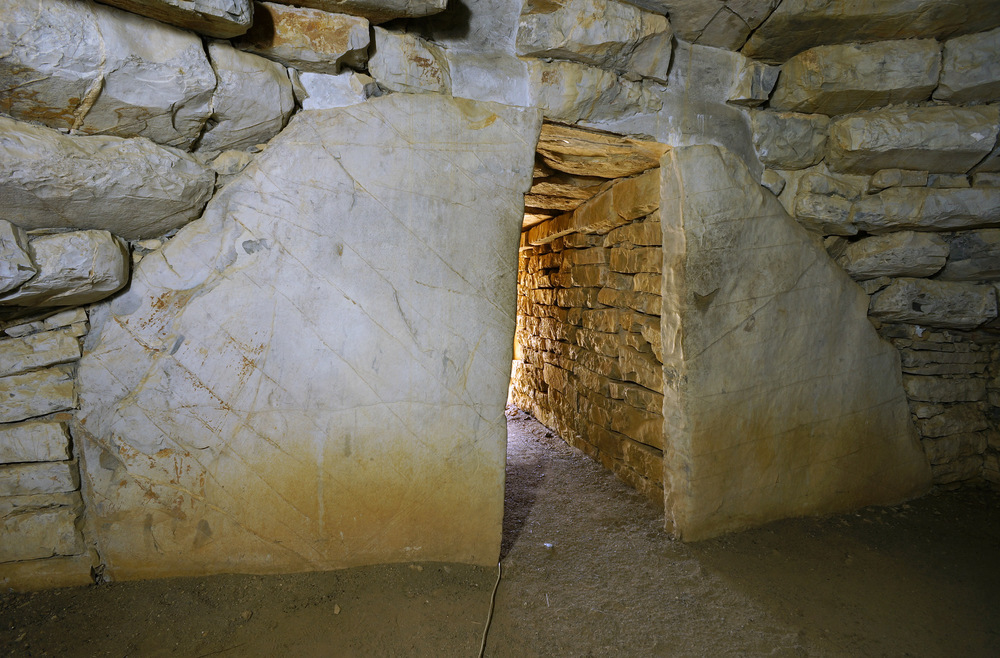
(786, 140)
(396, 382)
(797, 25)
(651, 58)
(47, 348)
(885, 178)
(935, 139)
(131, 187)
(935, 303)
(307, 39)
(376, 11)
(975, 256)
(570, 92)
(16, 265)
(36, 393)
(753, 83)
(850, 77)
(939, 389)
(971, 69)
(406, 63)
(39, 478)
(586, 153)
(904, 253)
(74, 317)
(753, 434)
(601, 33)
(223, 19)
(34, 441)
(39, 533)
(826, 215)
(718, 23)
(252, 102)
(98, 70)
(318, 91)
(74, 268)
(927, 209)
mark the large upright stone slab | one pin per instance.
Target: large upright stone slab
(131, 187)
(312, 373)
(779, 398)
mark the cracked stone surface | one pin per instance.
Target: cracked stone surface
(779, 397)
(309, 377)
(222, 19)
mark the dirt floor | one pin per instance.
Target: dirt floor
(587, 571)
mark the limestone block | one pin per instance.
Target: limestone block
(252, 102)
(16, 265)
(131, 187)
(753, 307)
(99, 70)
(985, 179)
(307, 39)
(218, 373)
(570, 92)
(773, 181)
(324, 92)
(966, 468)
(376, 11)
(797, 25)
(752, 83)
(40, 478)
(718, 23)
(651, 57)
(403, 62)
(954, 447)
(31, 535)
(37, 393)
(48, 348)
(587, 153)
(34, 441)
(643, 234)
(74, 268)
(826, 215)
(948, 181)
(905, 253)
(955, 419)
(937, 139)
(975, 256)
(939, 389)
(786, 140)
(935, 303)
(631, 261)
(601, 33)
(222, 19)
(971, 69)
(885, 178)
(927, 209)
(850, 77)
(646, 371)
(75, 318)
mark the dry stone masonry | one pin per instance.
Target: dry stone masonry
(294, 229)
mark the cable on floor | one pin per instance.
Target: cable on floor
(489, 617)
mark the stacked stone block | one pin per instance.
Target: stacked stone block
(889, 150)
(40, 502)
(588, 331)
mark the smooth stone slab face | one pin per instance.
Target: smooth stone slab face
(309, 372)
(797, 25)
(779, 397)
(222, 19)
(16, 265)
(850, 77)
(307, 39)
(252, 102)
(944, 304)
(69, 64)
(131, 187)
(376, 11)
(75, 268)
(935, 139)
(601, 33)
(971, 69)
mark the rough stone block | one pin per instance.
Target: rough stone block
(753, 83)
(303, 406)
(222, 19)
(938, 139)
(48, 348)
(307, 39)
(32, 535)
(34, 441)
(38, 478)
(98, 70)
(376, 11)
(954, 447)
(252, 101)
(849, 77)
(905, 253)
(926, 209)
(758, 308)
(935, 303)
(16, 265)
(74, 268)
(571, 92)
(955, 419)
(885, 178)
(131, 187)
(971, 69)
(634, 260)
(786, 140)
(944, 390)
(36, 393)
(406, 63)
(826, 215)
(974, 255)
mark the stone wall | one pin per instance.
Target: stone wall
(588, 332)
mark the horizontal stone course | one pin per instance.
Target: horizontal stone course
(935, 303)
(34, 441)
(37, 393)
(38, 478)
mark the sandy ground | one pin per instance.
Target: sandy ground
(587, 571)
